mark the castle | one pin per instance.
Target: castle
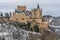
(34, 17)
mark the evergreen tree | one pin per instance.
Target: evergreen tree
(10, 13)
(7, 15)
(1, 14)
(28, 26)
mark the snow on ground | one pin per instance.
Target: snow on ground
(17, 33)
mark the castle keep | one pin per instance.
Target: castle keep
(34, 17)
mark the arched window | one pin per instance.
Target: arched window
(36, 28)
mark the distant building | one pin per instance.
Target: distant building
(34, 17)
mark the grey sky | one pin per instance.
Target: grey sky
(49, 7)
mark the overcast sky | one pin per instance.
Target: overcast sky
(49, 7)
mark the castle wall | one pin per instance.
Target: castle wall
(19, 18)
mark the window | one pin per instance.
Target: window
(16, 19)
(22, 18)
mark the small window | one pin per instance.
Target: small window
(22, 18)
(16, 19)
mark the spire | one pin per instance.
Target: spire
(38, 6)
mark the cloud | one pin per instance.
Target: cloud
(48, 6)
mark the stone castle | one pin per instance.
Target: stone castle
(34, 17)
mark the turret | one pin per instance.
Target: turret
(38, 12)
(38, 6)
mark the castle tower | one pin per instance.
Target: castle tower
(21, 8)
(39, 12)
(34, 14)
(37, 16)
